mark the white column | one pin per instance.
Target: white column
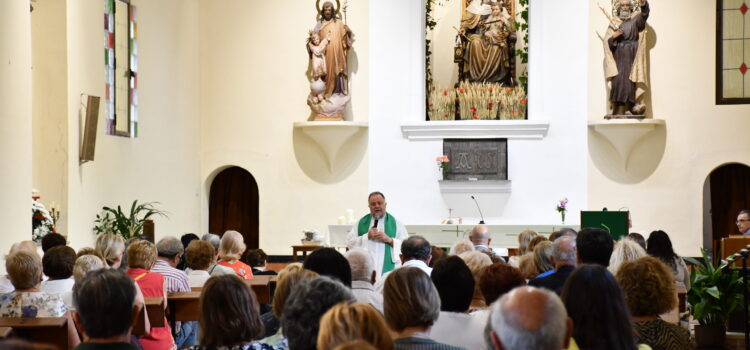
(15, 123)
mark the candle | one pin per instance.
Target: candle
(341, 220)
(349, 216)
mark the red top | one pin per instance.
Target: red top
(240, 268)
(152, 285)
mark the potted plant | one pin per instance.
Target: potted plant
(126, 225)
(715, 293)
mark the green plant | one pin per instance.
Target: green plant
(126, 225)
(715, 291)
(523, 52)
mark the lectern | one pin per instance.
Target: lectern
(732, 244)
(615, 222)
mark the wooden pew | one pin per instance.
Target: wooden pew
(261, 286)
(48, 330)
(681, 293)
(154, 310)
(196, 289)
(183, 306)
(5, 332)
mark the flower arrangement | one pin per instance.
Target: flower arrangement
(562, 208)
(42, 222)
(477, 101)
(443, 164)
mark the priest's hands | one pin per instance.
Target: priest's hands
(375, 235)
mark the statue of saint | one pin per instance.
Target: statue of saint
(625, 57)
(489, 37)
(329, 91)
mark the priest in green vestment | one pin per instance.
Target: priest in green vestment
(380, 233)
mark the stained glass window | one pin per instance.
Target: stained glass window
(121, 61)
(733, 51)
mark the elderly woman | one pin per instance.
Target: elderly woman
(289, 277)
(412, 305)
(230, 251)
(199, 257)
(141, 258)
(110, 247)
(477, 262)
(523, 244)
(595, 304)
(5, 285)
(455, 285)
(542, 259)
(25, 272)
(625, 249)
(348, 322)
(498, 279)
(229, 316)
(215, 269)
(649, 291)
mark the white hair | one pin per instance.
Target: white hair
(509, 328)
(212, 238)
(361, 263)
(461, 247)
(562, 253)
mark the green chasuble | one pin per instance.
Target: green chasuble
(390, 230)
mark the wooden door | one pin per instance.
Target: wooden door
(233, 205)
(730, 193)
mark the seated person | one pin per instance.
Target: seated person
(329, 262)
(363, 278)
(51, 240)
(141, 258)
(28, 300)
(477, 262)
(348, 322)
(199, 256)
(498, 279)
(289, 277)
(412, 305)
(256, 258)
(5, 285)
(455, 285)
(57, 265)
(230, 251)
(107, 311)
(649, 290)
(226, 298)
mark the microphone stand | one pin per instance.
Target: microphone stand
(481, 222)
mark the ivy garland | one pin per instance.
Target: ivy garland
(523, 52)
(430, 24)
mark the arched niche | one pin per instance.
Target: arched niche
(726, 191)
(233, 204)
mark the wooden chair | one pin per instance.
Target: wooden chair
(48, 330)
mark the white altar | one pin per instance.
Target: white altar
(503, 236)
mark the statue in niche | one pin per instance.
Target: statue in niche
(487, 38)
(329, 91)
(625, 58)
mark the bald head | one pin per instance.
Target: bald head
(529, 318)
(361, 263)
(480, 235)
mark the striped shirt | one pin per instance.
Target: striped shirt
(175, 279)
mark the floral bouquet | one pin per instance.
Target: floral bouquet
(443, 164)
(562, 208)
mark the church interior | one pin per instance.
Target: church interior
(220, 94)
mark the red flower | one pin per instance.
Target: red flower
(453, 111)
(490, 105)
(518, 111)
(445, 116)
(489, 89)
(508, 90)
(461, 90)
(445, 92)
(475, 118)
(473, 110)
(523, 102)
(430, 105)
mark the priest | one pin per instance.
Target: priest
(379, 233)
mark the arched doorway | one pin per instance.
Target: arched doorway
(728, 188)
(233, 204)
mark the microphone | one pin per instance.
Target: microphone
(481, 222)
(375, 225)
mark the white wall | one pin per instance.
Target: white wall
(253, 87)
(15, 122)
(663, 186)
(49, 104)
(162, 163)
(542, 172)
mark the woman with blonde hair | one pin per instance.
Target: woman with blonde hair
(523, 244)
(110, 247)
(347, 322)
(542, 259)
(625, 250)
(477, 262)
(230, 251)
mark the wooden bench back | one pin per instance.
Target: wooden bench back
(47, 330)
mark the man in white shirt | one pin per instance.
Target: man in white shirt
(379, 233)
(363, 277)
(415, 252)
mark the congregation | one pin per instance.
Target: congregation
(571, 290)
